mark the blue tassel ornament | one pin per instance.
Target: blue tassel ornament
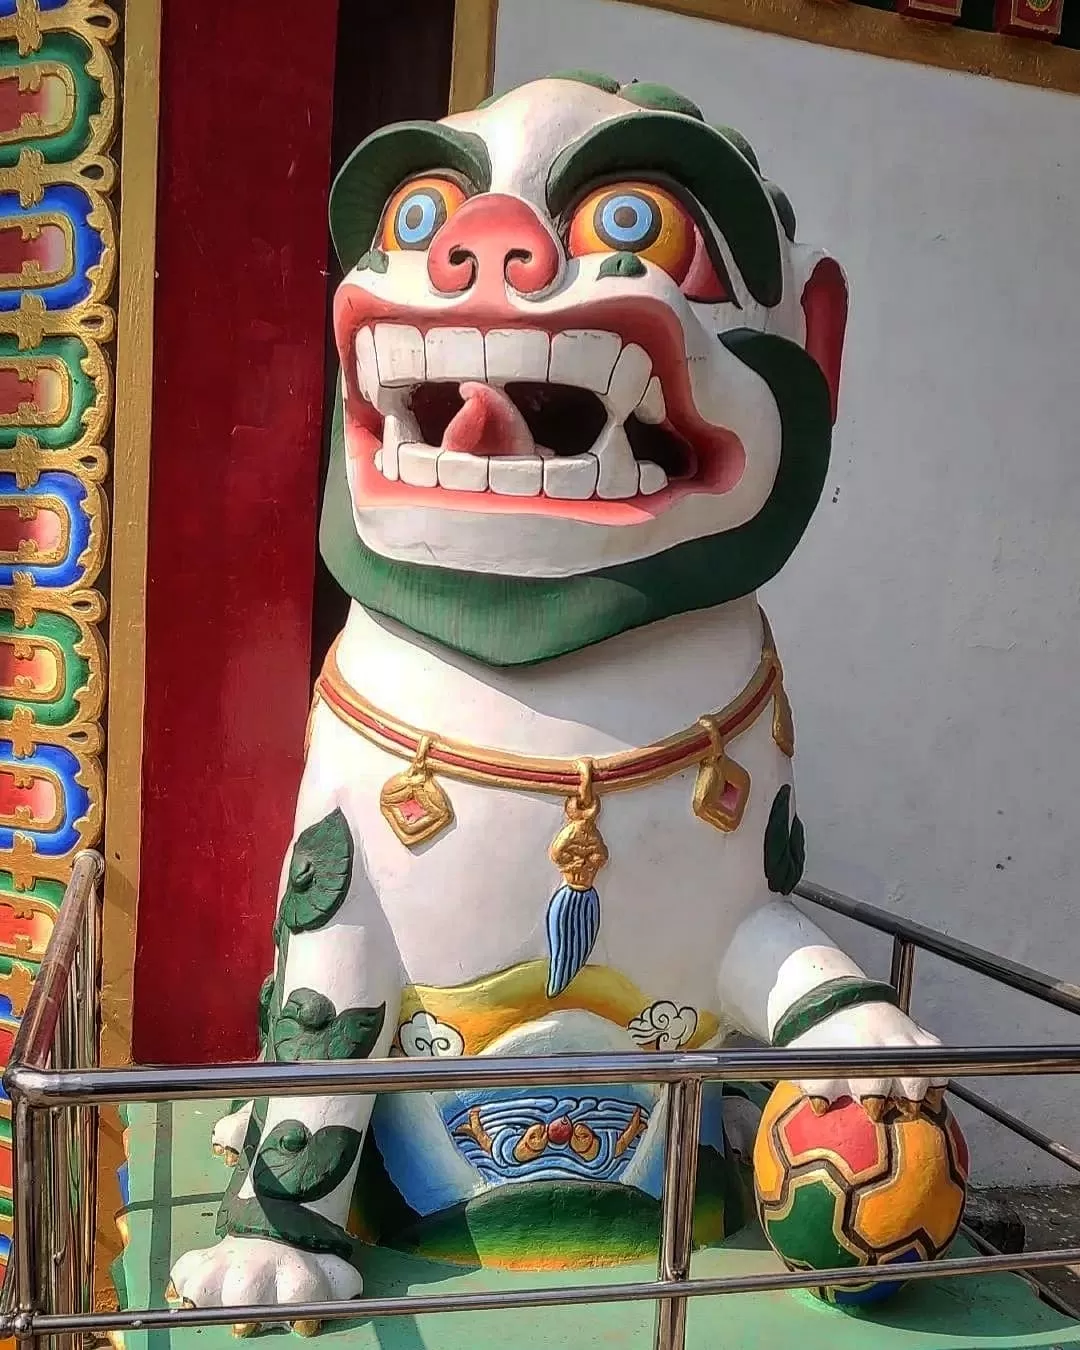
(573, 914)
(573, 921)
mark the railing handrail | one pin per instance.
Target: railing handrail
(175, 1319)
(46, 1035)
(34, 1039)
(1026, 979)
(148, 1083)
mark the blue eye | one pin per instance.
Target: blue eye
(415, 213)
(418, 217)
(627, 220)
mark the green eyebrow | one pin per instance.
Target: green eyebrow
(387, 158)
(704, 163)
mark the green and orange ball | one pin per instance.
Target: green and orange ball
(841, 1190)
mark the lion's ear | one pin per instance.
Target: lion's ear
(825, 308)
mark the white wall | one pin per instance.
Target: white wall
(930, 620)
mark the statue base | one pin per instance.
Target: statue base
(171, 1187)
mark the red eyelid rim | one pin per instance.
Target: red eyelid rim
(685, 199)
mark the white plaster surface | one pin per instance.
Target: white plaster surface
(930, 621)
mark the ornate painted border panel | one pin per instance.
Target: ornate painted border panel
(978, 36)
(58, 106)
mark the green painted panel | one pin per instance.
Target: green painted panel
(64, 632)
(70, 52)
(49, 893)
(81, 392)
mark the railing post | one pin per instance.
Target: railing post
(902, 971)
(22, 1146)
(25, 1248)
(683, 1102)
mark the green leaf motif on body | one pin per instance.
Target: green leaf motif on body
(319, 874)
(294, 1164)
(309, 1027)
(785, 845)
(266, 1006)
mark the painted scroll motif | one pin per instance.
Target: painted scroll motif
(58, 106)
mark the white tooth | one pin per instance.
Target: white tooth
(618, 467)
(628, 382)
(516, 475)
(455, 354)
(652, 407)
(571, 478)
(417, 465)
(653, 478)
(584, 358)
(393, 433)
(462, 472)
(367, 370)
(378, 459)
(399, 350)
(517, 354)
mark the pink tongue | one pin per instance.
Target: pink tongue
(488, 424)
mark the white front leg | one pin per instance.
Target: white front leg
(337, 997)
(776, 959)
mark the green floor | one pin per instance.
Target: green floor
(174, 1184)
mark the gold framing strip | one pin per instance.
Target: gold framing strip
(139, 112)
(849, 27)
(131, 479)
(472, 66)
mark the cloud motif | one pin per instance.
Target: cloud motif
(665, 1024)
(426, 1036)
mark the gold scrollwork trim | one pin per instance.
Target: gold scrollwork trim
(30, 78)
(91, 19)
(26, 734)
(33, 174)
(28, 461)
(93, 322)
(32, 322)
(26, 864)
(26, 600)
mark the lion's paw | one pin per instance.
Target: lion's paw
(248, 1270)
(871, 1024)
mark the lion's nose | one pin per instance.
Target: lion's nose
(492, 242)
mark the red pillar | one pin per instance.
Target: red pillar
(246, 119)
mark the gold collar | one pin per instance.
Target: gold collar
(417, 808)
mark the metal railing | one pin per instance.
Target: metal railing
(55, 1086)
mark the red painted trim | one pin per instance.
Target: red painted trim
(240, 316)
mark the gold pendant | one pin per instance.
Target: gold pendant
(722, 788)
(578, 850)
(415, 806)
(783, 724)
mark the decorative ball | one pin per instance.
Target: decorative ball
(840, 1189)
